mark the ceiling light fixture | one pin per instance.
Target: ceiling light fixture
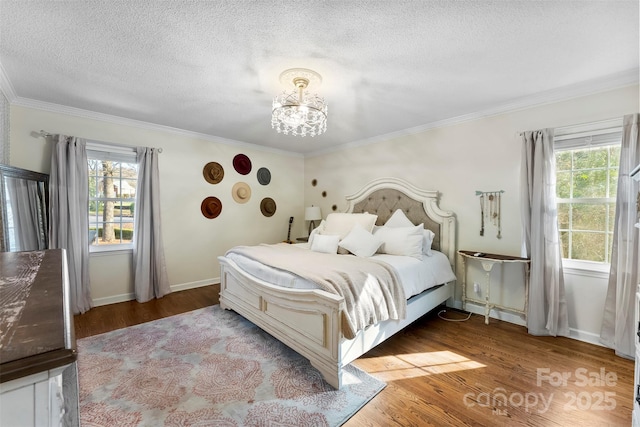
(298, 112)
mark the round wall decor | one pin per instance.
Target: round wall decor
(264, 176)
(242, 164)
(211, 207)
(268, 206)
(213, 172)
(241, 192)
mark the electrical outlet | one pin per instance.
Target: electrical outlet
(476, 288)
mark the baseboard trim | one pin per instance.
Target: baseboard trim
(588, 337)
(494, 314)
(576, 334)
(193, 285)
(114, 299)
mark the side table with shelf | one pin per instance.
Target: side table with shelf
(488, 261)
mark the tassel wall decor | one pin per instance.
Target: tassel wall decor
(490, 208)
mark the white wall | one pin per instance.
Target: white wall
(4, 131)
(192, 242)
(457, 160)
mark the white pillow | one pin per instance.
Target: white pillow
(399, 219)
(427, 241)
(342, 223)
(316, 231)
(325, 243)
(405, 241)
(360, 242)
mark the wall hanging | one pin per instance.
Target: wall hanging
(268, 206)
(242, 164)
(490, 202)
(213, 172)
(241, 192)
(264, 176)
(211, 207)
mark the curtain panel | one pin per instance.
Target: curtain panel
(69, 219)
(29, 228)
(547, 312)
(150, 271)
(618, 329)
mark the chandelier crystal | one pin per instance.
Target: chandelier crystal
(298, 112)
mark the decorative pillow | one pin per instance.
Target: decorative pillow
(360, 242)
(342, 223)
(326, 243)
(405, 241)
(316, 231)
(427, 241)
(399, 219)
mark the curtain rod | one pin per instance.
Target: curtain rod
(598, 124)
(46, 134)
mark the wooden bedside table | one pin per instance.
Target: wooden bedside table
(488, 261)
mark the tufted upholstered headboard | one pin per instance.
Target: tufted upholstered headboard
(383, 196)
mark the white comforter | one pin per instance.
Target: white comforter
(414, 275)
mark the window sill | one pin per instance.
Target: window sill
(110, 250)
(586, 268)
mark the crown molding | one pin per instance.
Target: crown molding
(123, 121)
(615, 81)
(611, 82)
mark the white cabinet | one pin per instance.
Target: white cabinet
(39, 399)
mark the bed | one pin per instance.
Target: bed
(310, 321)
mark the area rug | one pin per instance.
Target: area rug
(208, 367)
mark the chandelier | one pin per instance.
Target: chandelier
(298, 112)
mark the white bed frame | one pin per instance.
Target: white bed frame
(309, 321)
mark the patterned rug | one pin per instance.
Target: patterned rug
(208, 367)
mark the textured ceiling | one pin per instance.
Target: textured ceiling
(212, 67)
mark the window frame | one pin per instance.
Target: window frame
(591, 135)
(101, 152)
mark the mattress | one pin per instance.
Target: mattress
(415, 275)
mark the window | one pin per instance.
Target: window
(113, 179)
(586, 184)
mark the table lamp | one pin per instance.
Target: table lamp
(312, 213)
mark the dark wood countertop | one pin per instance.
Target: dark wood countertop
(36, 327)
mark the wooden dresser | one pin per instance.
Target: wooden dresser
(38, 375)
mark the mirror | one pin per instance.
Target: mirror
(24, 217)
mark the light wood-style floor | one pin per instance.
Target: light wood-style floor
(453, 373)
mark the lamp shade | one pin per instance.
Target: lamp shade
(312, 213)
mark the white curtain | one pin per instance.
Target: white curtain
(618, 327)
(150, 275)
(69, 203)
(25, 208)
(547, 313)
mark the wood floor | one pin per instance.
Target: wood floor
(454, 373)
